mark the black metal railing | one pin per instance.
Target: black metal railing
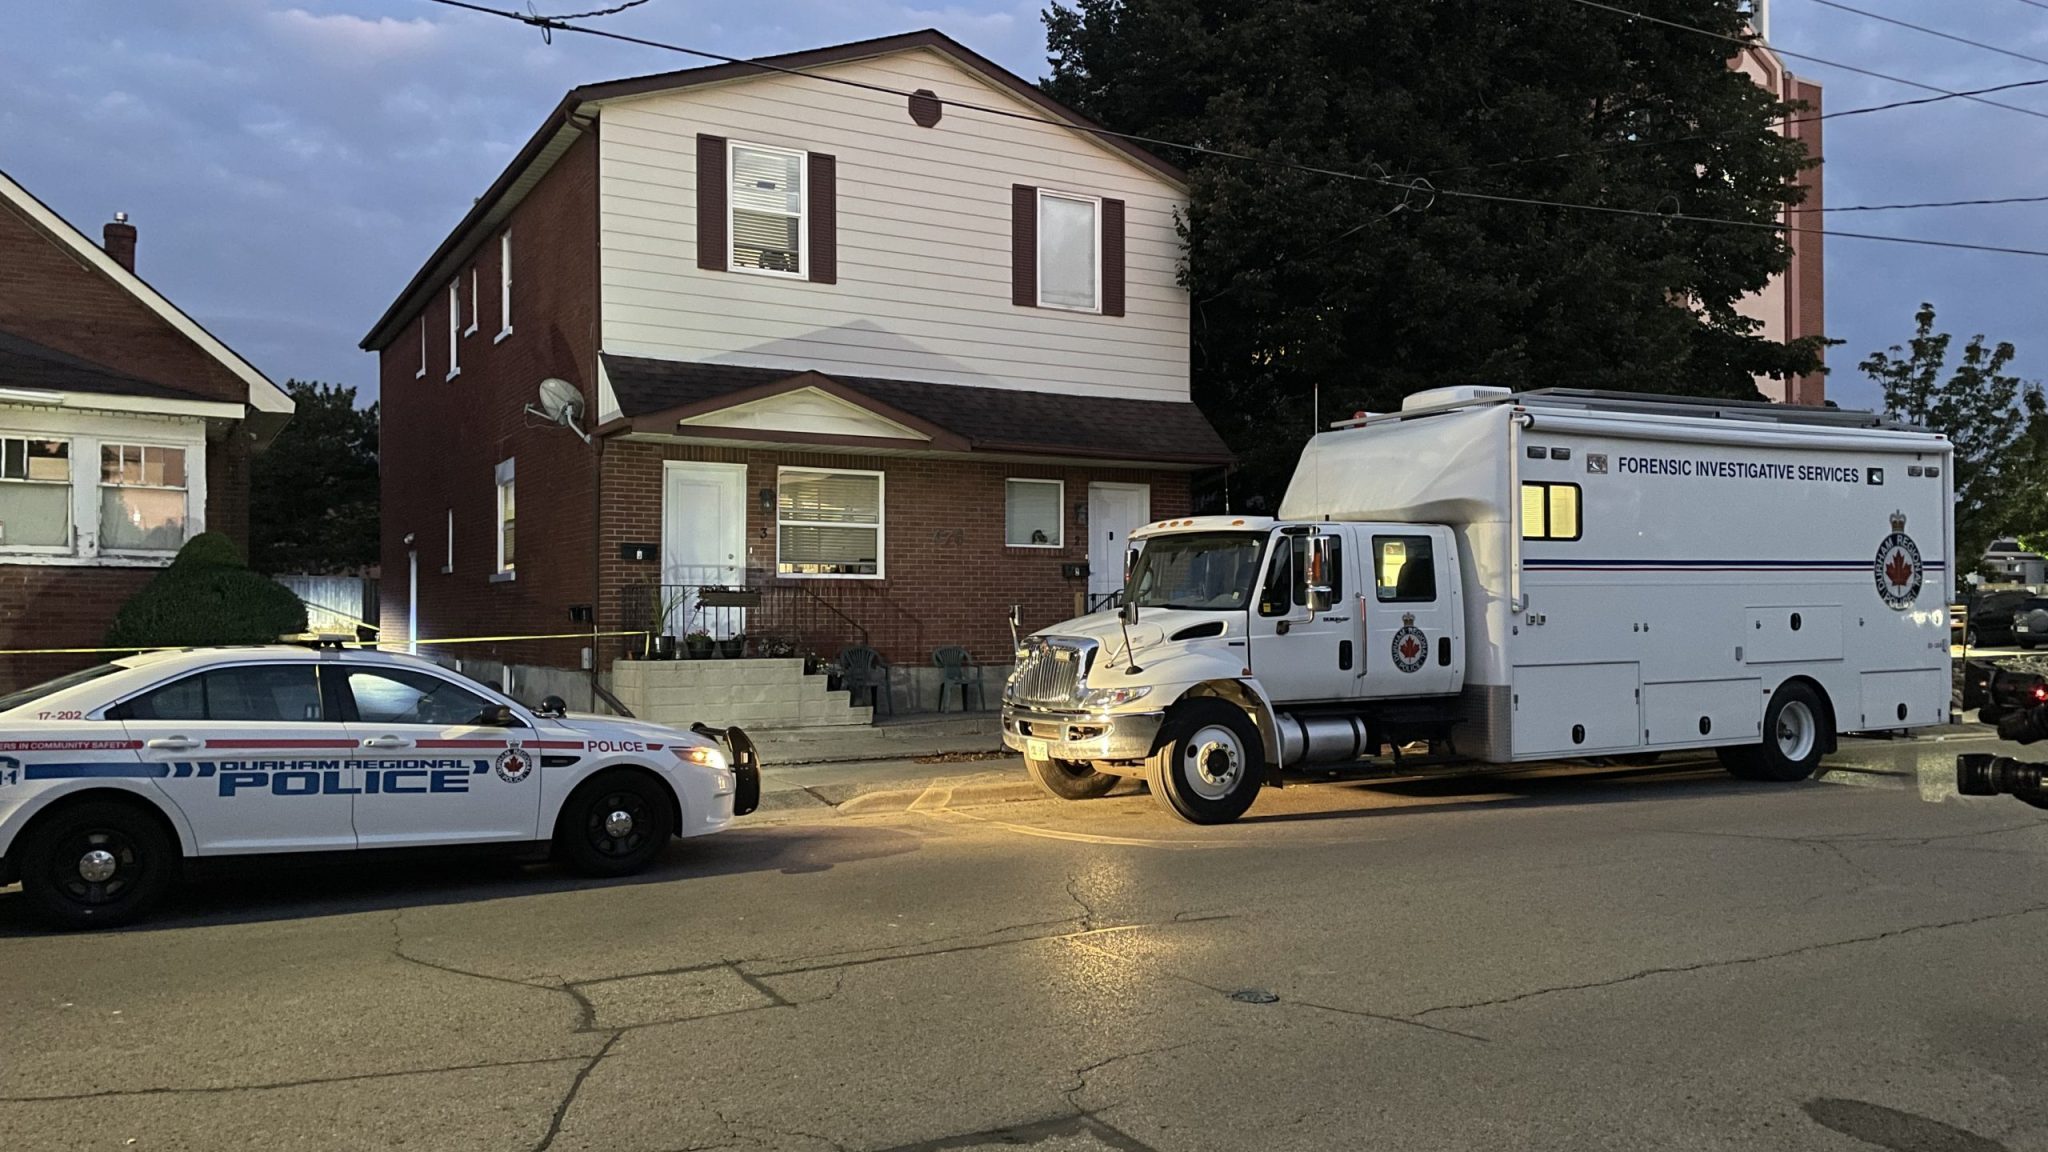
(730, 621)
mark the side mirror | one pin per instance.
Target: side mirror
(496, 716)
(1322, 562)
(1127, 611)
(553, 708)
(1321, 598)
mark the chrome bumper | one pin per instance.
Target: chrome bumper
(1082, 735)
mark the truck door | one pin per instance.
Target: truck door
(1413, 638)
(1304, 628)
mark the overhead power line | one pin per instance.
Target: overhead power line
(1408, 187)
(1934, 32)
(1924, 204)
(1749, 42)
(2035, 3)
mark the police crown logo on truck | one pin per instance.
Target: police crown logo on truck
(1411, 647)
(513, 764)
(1898, 567)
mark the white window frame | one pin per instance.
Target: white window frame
(1060, 504)
(1039, 255)
(454, 329)
(504, 287)
(422, 373)
(505, 479)
(71, 507)
(803, 209)
(471, 330)
(87, 431)
(99, 484)
(449, 564)
(881, 524)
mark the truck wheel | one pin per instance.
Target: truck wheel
(95, 865)
(1791, 747)
(615, 824)
(1209, 764)
(1070, 779)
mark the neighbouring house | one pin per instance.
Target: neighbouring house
(859, 369)
(125, 429)
(1793, 303)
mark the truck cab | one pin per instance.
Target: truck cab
(1242, 645)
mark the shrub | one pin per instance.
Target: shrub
(207, 596)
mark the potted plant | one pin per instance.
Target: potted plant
(699, 644)
(661, 639)
(733, 647)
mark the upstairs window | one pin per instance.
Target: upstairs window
(767, 210)
(469, 318)
(828, 523)
(506, 518)
(142, 498)
(1069, 246)
(1031, 513)
(504, 286)
(454, 329)
(421, 374)
(1550, 511)
(35, 493)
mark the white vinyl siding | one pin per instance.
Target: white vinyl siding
(1069, 252)
(923, 230)
(828, 524)
(765, 210)
(1033, 513)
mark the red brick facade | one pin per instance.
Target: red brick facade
(1806, 282)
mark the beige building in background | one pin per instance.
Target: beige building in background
(1792, 304)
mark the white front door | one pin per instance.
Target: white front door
(1114, 512)
(703, 541)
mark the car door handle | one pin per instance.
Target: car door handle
(172, 744)
(386, 742)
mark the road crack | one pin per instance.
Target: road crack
(575, 1086)
(273, 1085)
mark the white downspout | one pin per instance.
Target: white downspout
(412, 600)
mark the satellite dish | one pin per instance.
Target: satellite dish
(561, 403)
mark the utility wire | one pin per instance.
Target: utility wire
(1927, 204)
(2035, 3)
(1753, 42)
(1408, 187)
(1934, 32)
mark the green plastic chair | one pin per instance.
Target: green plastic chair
(864, 670)
(958, 670)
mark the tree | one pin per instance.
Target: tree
(313, 494)
(207, 596)
(1371, 290)
(1997, 423)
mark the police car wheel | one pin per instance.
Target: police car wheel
(615, 824)
(95, 865)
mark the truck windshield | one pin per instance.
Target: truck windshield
(1198, 570)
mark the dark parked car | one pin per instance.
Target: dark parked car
(2030, 622)
(1991, 616)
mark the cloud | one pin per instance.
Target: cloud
(348, 39)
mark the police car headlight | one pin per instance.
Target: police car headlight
(702, 755)
(1103, 698)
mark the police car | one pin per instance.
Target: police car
(111, 776)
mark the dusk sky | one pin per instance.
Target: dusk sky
(290, 164)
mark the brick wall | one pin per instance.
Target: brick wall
(1807, 287)
(441, 439)
(49, 607)
(950, 577)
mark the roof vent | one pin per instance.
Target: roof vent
(1457, 394)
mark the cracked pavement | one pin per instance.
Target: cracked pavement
(1578, 958)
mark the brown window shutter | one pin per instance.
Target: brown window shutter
(712, 189)
(1112, 257)
(823, 204)
(1024, 245)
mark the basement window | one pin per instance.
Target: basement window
(828, 524)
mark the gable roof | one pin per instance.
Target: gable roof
(654, 395)
(265, 397)
(572, 117)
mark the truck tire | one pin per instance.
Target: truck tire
(1209, 764)
(1792, 743)
(614, 824)
(96, 864)
(1069, 779)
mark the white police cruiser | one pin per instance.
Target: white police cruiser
(111, 776)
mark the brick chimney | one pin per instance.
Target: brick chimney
(119, 241)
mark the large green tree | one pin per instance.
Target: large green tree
(1997, 422)
(1370, 291)
(313, 494)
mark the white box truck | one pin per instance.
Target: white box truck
(1517, 577)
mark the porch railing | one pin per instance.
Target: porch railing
(739, 619)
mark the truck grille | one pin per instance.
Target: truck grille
(1051, 674)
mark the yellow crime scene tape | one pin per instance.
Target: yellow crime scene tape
(394, 646)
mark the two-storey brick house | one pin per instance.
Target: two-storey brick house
(892, 363)
(125, 429)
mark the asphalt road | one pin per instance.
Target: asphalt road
(1591, 958)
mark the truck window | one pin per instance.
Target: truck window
(1550, 511)
(1275, 596)
(1404, 569)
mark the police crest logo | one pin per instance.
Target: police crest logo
(513, 764)
(1898, 567)
(1411, 647)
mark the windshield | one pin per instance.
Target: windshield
(13, 700)
(1198, 570)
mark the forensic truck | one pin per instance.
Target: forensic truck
(1513, 578)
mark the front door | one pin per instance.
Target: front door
(703, 541)
(1302, 656)
(430, 773)
(1413, 644)
(1114, 512)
